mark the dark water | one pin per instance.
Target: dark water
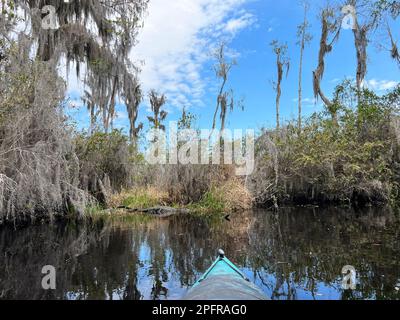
(296, 254)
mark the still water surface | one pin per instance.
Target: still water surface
(294, 254)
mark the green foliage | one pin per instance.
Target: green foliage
(140, 200)
(101, 142)
(94, 211)
(157, 101)
(17, 89)
(101, 145)
(211, 202)
(116, 217)
(345, 159)
(105, 154)
(8, 9)
(186, 120)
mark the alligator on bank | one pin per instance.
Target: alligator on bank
(160, 212)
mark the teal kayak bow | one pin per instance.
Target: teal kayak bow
(224, 281)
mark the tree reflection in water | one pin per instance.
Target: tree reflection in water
(294, 254)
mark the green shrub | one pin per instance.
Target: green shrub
(105, 160)
(349, 158)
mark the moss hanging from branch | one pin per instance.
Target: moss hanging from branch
(103, 47)
(329, 26)
(369, 15)
(225, 99)
(394, 51)
(282, 63)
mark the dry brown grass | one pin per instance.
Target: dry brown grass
(235, 195)
(140, 198)
(224, 193)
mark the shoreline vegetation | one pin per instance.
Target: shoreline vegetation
(351, 159)
(347, 154)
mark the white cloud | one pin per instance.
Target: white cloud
(335, 80)
(381, 85)
(307, 101)
(272, 25)
(175, 43)
(236, 24)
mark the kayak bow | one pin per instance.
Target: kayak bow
(224, 281)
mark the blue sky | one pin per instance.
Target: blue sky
(175, 47)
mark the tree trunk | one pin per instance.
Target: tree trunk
(300, 82)
(278, 101)
(361, 43)
(279, 65)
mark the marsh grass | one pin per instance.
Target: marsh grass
(117, 217)
(140, 198)
(212, 202)
(231, 196)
